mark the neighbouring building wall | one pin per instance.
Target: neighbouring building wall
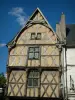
(70, 57)
(70, 53)
(69, 72)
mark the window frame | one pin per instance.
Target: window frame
(33, 78)
(32, 36)
(38, 37)
(34, 52)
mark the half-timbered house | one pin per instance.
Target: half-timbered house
(34, 64)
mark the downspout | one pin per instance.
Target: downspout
(66, 94)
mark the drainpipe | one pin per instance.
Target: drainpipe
(66, 74)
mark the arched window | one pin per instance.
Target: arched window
(33, 78)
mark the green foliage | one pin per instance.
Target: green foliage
(2, 80)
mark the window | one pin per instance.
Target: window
(33, 78)
(38, 36)
(33, 53)
(33, 36)
(71, 83)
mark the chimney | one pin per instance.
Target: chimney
(63, 27)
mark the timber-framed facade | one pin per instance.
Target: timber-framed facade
(34, 62)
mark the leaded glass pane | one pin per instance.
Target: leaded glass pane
(31, 49)
(31, 55)
(30, 82)
(36, 74)
(36, 55)
(31, 74)
(38, 35)
(36, 49)
(32, 35)
(35, 82)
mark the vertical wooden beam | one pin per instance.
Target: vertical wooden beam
(26, 56)
(8, 76)
(39, 90)
(26, 82)
(40, 55)
(8, 71)
(60, 71)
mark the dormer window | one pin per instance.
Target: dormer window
(33, 36)
(38, 36)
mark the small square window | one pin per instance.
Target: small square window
(33, 36)
(38, 36)
(33, 53)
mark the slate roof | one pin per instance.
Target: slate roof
(70, 34)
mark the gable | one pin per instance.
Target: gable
(47, 36)
(37, 16)
(36, 20)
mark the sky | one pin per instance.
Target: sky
(15, 13)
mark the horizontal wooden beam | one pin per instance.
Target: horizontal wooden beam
(33, 98)
(49, 83)
(34, 59)
(16, 82)
(32, 67)
(55, 44)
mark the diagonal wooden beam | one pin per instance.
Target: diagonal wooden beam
(19, 89)
(53, 91)
(45, 90)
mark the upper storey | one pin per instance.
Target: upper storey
(36, 31)
(35, 44)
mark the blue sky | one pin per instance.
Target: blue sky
(11, 23)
